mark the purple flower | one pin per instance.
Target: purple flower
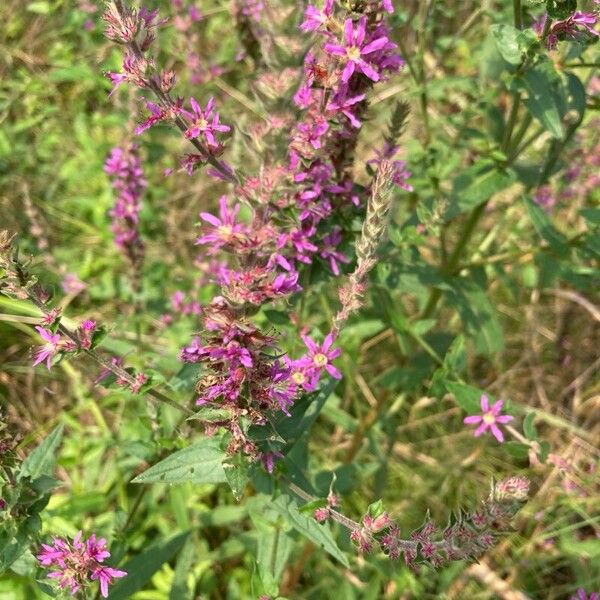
(341, 103)
(125, 168)
(489, 418)
(544, 197)
(354, 50)
(225, 229)
(105, 575)
(581, 595)
(314, 18)
(320, 357)
(48, 350)
(387, 6)
(576, 26)
(328, 250)
(204, 122)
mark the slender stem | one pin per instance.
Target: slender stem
(168, 103)
(518, 14)
(116, 370)
(455, 257)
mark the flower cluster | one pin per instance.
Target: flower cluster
(577, 27)
(56, 345)
(242, 375)
(136, 30)
(467, 536)
(76, 564)
(125, 168)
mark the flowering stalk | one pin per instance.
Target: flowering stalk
(125, 168)
(15, 281)
(373, 229)
(467, 536)
(135, 30)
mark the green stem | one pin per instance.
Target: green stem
(454, 258)
(517, 14)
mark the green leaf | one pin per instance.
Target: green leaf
(517, 449)
(302, 414)
(506, 38)
(543, 225)
(456, 357)
(41, 460)
(273, 549)
(591, 215)
(319, 534)
(541, 84)
(236, 473)
(199, 463)
(185, 563)
(529, 426)
(141, 567)
(466, 396)
(476, 185)
(478, 316)
(210, 414)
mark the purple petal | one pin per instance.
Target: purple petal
(335, 49)
(504, 418)
(375, 45)
(335, 373)
(327, 342)
(472, 419)
(480, 429)
(348, 32)
(310, 344)
(348, 71)
(210, 219)
(497, 433)
(485, 403)
(368, 70)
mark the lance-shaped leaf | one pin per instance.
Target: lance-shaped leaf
(199, 463)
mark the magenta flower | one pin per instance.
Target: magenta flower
(78, 563)
(345, 105)
(576, 26)
(204, 122)
(354, 50)
(329, 250)
(48, 350)
(105, 575)
(489, 418)
(320, 357)
(314, 18)
(225, 229)
(581, 595)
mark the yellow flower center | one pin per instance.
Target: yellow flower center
(225, 231)
(298, 377)
(353, 52)
(489, 418)
(320, 360)
(202, 123)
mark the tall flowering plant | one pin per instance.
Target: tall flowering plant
(299, 199)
